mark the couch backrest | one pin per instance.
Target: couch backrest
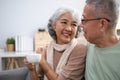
(15, 74)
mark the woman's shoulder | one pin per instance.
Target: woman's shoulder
(80, 49)
(80, 46)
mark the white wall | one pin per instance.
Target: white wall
(118, 25)
(24, 17)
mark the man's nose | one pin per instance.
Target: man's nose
(81, 25)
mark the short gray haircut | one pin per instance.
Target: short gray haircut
(106, 9)
(57, 15)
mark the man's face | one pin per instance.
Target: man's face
(90, 24)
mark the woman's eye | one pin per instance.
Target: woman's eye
(74, 25)
(64, 22)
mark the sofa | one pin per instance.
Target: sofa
(21, 73)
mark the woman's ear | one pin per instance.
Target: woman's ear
(54, 26)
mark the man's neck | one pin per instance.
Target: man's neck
(107, 41)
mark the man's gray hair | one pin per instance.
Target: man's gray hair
(106, 9)
(57, 15)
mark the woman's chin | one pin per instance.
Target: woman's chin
(67, 40)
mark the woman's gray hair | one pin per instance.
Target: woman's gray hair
(106, 9)
(57, 15)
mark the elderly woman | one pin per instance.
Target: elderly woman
(64, 58)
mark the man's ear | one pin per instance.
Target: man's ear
(104, 24)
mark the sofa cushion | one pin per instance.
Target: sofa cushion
(14, 74)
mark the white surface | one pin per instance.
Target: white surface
(12, 54)
(24, 43)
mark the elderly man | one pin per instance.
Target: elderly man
(99, 26)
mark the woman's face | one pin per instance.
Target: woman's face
(65, 28)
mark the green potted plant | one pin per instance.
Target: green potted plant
(10, 44)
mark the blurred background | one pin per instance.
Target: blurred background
(25, 17)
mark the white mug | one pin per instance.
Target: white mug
(33, 58)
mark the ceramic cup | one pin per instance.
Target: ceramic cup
(33, 58)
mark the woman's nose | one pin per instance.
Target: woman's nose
(68, 27)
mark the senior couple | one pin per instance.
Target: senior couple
(65, 58)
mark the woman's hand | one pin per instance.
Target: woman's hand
(32, 69)
(30, 66)
(42, 51)
(48, 71)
